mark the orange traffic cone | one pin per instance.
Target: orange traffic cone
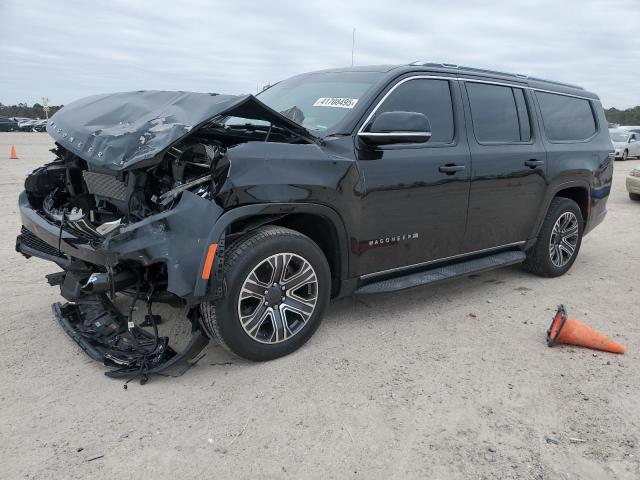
(565, 329)
(13, 155)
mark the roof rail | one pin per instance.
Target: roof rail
(419, 63)
(490, 72)
(563, 84)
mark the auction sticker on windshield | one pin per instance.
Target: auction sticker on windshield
(336, 102)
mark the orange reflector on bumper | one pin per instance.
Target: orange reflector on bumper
(208, 263)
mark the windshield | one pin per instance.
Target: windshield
(619, 137)
(317, 101)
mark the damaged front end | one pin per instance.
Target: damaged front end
(128, 207)
(109, 337)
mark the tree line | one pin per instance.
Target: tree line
(24, 110)
(630, 116)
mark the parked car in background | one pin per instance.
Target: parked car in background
(8, 125)
(39, 126)
(26, 125)
(625, 143)
(20, 119)
(633, 184)
(631, 128)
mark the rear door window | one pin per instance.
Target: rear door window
(566, 118)
(499, 113)
(431, 97)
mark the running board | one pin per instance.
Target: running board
(440, 274)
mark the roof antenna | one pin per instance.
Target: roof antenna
(353, 44)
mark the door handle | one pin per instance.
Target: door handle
(450, 168)
(533, 163)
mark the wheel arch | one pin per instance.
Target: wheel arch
(578, 194)
(324, 233)
(319, 222)
(577, 191)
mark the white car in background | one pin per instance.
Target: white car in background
(633, 184)
(626, 143)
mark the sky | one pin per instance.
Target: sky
(67, 49)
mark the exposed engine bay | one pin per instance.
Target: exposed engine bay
(132, 230)
(96, 203)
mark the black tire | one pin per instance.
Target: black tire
(625, 155)
(222, 319)
(539, 258)
(634, 196)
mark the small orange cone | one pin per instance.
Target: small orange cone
(570, 331)
(13, 155)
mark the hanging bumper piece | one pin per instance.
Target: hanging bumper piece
(104, 333)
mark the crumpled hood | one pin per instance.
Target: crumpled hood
(121, 130)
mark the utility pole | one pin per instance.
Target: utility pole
(45, 106)
(353, 43)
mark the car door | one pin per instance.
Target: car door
(634, 145)
(414, 206)
(508, 176)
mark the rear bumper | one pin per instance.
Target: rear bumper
(178, 237)
(594, 221)
(598, 197)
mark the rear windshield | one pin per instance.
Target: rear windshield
(619, 137)
(566, 118)
(317, 101)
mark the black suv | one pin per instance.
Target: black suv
(254, 211)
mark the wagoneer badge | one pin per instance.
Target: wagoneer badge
(363, 246)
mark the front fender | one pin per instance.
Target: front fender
(218, 231)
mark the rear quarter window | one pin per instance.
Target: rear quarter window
(566, 118)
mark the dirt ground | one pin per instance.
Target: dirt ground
(407, 385)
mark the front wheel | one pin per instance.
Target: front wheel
(634, 196)
(625, 155)
(278, 285)
(559, 240)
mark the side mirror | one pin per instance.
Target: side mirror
(632, 139)
(397, 127)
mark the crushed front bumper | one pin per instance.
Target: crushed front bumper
(104, 334)
(95, 267)
(178, 237)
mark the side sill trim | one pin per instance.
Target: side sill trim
(431, 262)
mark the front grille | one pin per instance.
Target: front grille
(82, 229)
(28, 239)
(105, 185)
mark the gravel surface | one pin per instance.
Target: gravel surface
(446, 382)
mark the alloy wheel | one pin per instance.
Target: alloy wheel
(278, 298)
(564, 239)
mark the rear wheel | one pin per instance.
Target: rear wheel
(278, 285)
(559, 240)
(634, 196)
